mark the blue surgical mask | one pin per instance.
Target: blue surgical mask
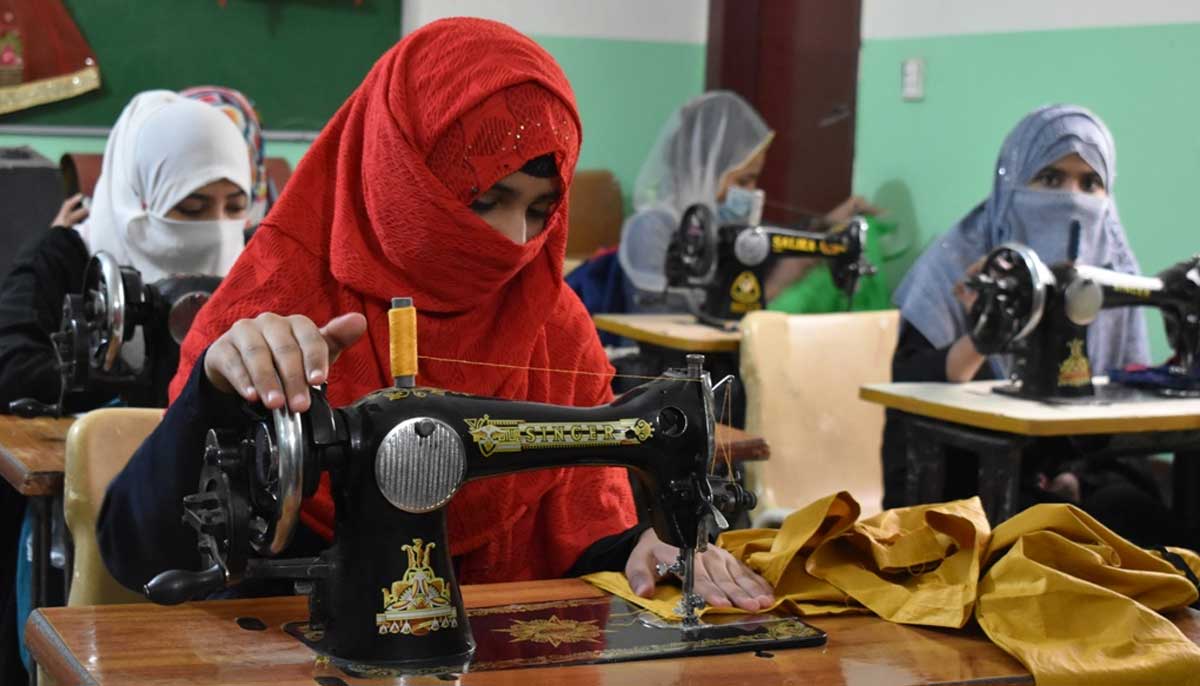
(1042, 220)
(741, 206)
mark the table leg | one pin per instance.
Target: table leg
(1185, 482)
(925, 477)
(40, 565)
(999, 481)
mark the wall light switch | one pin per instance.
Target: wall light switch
(912, 79)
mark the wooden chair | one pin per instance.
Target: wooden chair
(596, 213)
(98, 446)
(801, 375)
(81, 170)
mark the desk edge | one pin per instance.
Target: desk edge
(51, 652)
(663, 340)
(1026, 427)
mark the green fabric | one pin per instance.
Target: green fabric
(816, 294)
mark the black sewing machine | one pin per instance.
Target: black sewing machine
(720, 270)
(121, 336)
(1040, 314)
(385, 592)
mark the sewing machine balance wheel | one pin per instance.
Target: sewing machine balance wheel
(104, 303)
(280, 456)
(696, 230)
(1011, 290)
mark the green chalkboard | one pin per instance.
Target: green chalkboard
(296, 59)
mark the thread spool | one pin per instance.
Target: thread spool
(402, 342)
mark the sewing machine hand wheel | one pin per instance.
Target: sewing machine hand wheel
(280, 454)
(105, 307)
(1011, 288)
(693, 250)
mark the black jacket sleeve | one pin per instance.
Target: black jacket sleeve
(140, 529)
(31, 300)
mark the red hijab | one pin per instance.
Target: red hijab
(378, 207)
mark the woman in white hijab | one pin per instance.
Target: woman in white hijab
(171, 199)
(710, 151)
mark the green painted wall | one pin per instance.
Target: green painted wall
(53, 147)
(625, 91)
(931, 161)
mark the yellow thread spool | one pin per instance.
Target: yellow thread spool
(402, 334)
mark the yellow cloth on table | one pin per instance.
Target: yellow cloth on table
(1066, 597)
(917, 565)
(1060, 592)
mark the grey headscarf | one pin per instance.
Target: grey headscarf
(1011, 213)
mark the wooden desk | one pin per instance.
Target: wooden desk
(32, 453)
(673, 331)
(974, 404)
(743, 447)
(999, 427)
(200, 643)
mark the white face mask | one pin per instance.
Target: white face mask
(1042, 220)
(173, 246)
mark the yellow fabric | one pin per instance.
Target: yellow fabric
(1066, 597)
(1070, 599)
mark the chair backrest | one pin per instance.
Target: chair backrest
(98, 446)
(802, 374)
(81, 170)
(596, 213)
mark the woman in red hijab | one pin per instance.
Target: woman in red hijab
(443, 177)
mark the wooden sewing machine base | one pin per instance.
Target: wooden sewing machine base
(590, 631)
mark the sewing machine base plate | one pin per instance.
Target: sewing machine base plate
(1106, 394)
(590, 631)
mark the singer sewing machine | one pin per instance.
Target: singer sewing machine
(121, 336)
(1040, 314)
(720, 271)
(385, 593)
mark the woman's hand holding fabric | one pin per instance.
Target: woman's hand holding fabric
(276, 359)
(721, 580)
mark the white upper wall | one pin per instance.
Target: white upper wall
(660, 21)
(921, 18)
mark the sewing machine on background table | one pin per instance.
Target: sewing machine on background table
(122, 336)
(1040, 313)
(720, 271)
(383, 598)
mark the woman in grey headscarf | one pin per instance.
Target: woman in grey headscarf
(1056, 167)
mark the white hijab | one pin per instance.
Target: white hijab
(698, 145)
(162, 148)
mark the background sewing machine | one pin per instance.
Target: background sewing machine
(720, 271)
(1040, 314)
(385, 593)
(122, 337)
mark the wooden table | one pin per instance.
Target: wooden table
(672, 331)
(32, 452)
(200, 643)
(999, 427)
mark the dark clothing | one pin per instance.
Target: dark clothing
(916, 359)
(140, 529)
(31, 304)
(46, 269)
